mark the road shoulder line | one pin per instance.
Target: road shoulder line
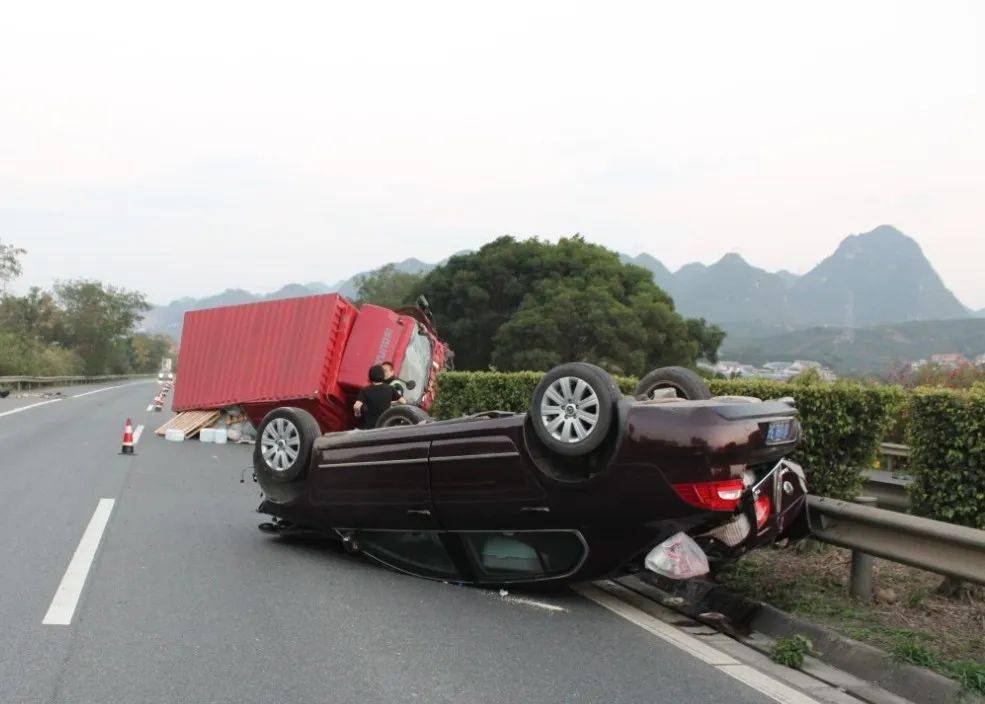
(621, 601)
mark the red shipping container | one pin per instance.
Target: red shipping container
(261, 355)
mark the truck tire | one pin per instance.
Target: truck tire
(684, 382)
(402, 415)
(573, 408)
(283, 447)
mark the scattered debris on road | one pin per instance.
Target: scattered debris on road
(189, 423)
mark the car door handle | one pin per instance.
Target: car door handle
(418, 512)
(537, 509)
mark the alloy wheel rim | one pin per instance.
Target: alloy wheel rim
(570, 409)
(280, 444)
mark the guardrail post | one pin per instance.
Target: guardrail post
(860, 579)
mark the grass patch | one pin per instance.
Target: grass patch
(916, 654)
(970, 673)
(791, 651)
(918, 626)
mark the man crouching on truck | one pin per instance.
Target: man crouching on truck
(375, 398)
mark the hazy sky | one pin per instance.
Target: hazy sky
(185, 148)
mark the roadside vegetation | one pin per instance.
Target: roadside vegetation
(79, 327)
(964, 376)
(791, 651)
(908, 618)
(530, 304)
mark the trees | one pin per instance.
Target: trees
(387, 287)
(10, 265)
(531, 304)
(98, 320)
(84, 327)
(145, 351)
(708, 336)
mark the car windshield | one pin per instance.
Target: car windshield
(416, 366)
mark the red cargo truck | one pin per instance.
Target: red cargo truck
(312, 353)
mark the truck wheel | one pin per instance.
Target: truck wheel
(573, 407)
(402, 415)
(684, 383)
(283, 447)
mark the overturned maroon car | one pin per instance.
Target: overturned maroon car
(587, 483)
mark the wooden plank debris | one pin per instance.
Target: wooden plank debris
(190, 422)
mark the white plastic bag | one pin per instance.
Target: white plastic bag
(678, 557)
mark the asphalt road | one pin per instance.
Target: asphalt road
(186, 601)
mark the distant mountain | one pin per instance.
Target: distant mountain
(878, 277)
(862, 350)
(168, 319)
(729, 290)
(873, 278)
(789, 278)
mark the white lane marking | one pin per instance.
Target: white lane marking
(532, 602)
(761, 682)
(106, 388)
(664, 631)
(33, 405)
(136, 434)
(70, 589)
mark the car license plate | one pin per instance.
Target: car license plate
(780, 431)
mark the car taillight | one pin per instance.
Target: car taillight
(763, 508)
(712, 496)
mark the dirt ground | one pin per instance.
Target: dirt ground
(908, 618)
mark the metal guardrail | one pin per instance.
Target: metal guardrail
(27, 382)
(891, 451)
(891, 491)
(944, 548)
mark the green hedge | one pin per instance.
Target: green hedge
(843, 426)
(946, 434)
(843, 422)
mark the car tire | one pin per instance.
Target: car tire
(573, 408)
(283, 447)
(683, 381)
(402, 414)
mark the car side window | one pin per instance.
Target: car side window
(525, 554)
(422, 553)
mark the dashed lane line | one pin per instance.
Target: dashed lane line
(66, 598)
(96, 391)
(33, 405)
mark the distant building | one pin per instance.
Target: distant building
(776, 371)
(951, 360)
(980, 360)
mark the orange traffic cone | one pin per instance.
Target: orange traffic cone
(127, 448)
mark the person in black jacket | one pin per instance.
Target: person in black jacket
(375, 398)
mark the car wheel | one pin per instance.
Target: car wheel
(573, 407)
(402, 415)
(683, 382)
(283, 447)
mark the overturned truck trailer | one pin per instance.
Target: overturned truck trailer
(312, 353)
